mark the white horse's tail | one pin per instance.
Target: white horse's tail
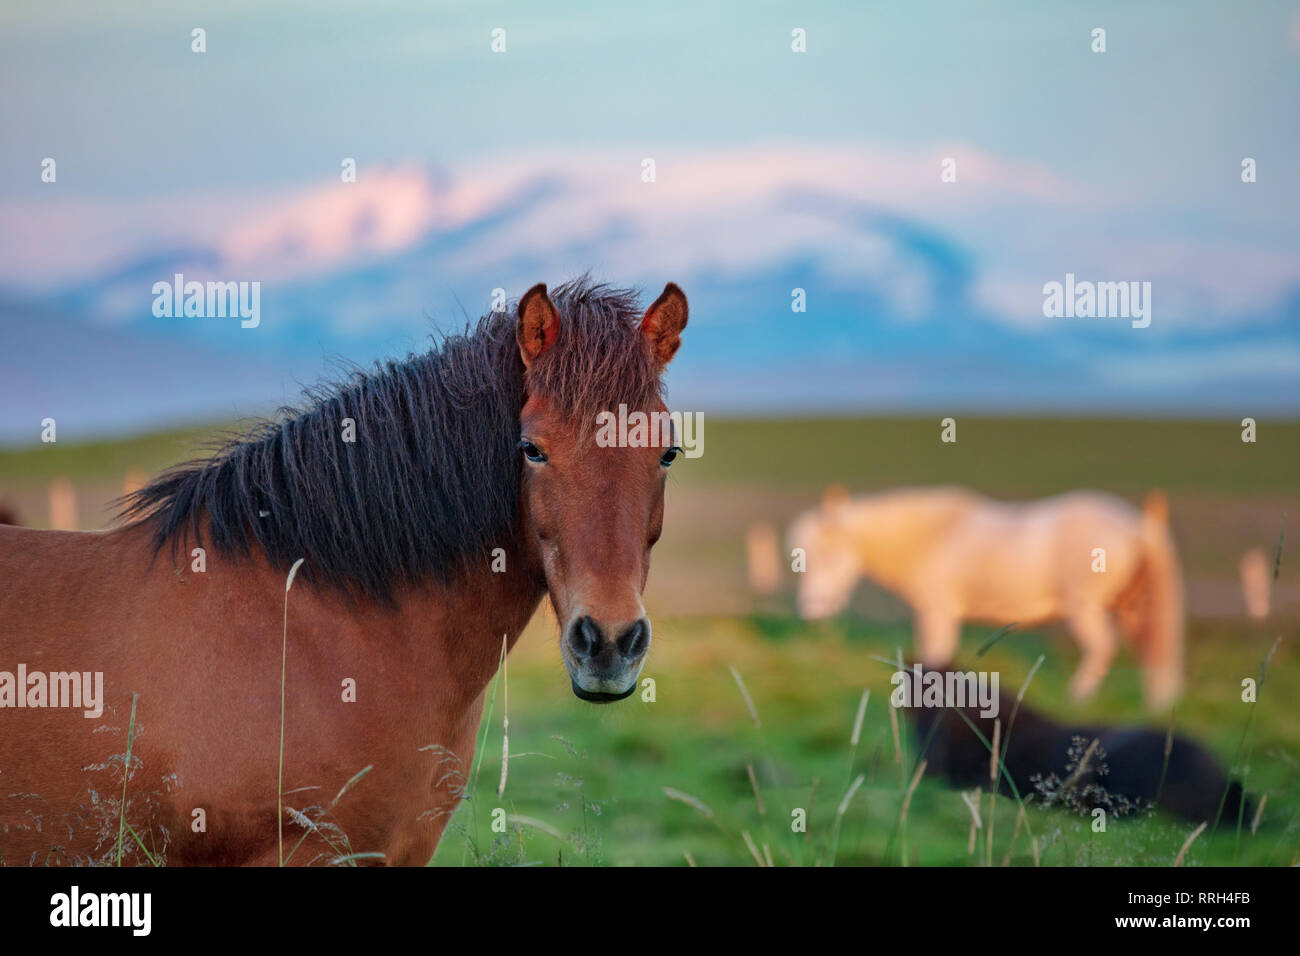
(1158, 635)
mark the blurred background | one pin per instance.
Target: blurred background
(844, 298)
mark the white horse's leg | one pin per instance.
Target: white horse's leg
(937, 635)
(1097, 643)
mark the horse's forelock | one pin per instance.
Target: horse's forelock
(600, 358)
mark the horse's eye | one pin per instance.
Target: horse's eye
(532, 452)
(667, 458)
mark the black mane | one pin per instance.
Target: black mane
(432, 479)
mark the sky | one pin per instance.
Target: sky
(775, 170)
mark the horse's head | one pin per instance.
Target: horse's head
(593, 490)
(831, 560)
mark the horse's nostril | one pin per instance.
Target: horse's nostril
(584, 638)
(633, 641)
(588, 641)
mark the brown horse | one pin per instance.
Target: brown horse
(435, 501)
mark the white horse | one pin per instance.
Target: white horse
(954, 555)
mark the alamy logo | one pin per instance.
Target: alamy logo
(55, 689)
(1102, 300)
(133, 910)
(181, 299)
(642, 429)
(915, 688)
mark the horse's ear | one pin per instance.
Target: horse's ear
(538, 324)
(834, 498)
(663, 323)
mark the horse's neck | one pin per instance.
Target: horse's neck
(896, 537)
(491, 599)
(873, 545)
(450, 631)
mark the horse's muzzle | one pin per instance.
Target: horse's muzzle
(604, 662)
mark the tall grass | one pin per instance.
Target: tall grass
(1240, 769)
(284, 670)
(126, 775)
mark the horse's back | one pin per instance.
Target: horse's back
(1035, 560)
(1065, 517)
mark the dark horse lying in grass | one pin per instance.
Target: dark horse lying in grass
(1125, 772)
(435, 501)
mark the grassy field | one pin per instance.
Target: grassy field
(599, 780)
(695, 775)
